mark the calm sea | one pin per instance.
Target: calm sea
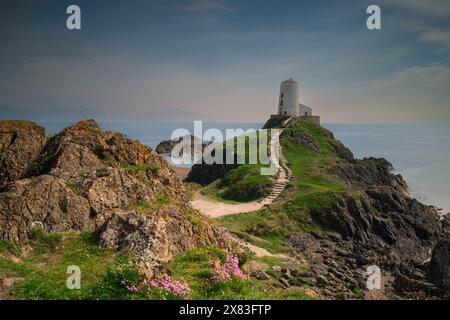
(420, 152)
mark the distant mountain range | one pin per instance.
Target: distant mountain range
(81, 113)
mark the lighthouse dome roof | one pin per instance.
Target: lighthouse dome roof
(290, 80)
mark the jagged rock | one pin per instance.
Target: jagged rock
(20, 144)
(260, 275)
(370, 172)
(303, 242)
(284, 283)
(440, 262)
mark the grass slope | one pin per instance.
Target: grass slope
(310, 192)
(244, 183)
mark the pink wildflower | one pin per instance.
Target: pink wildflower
(167, 286)
(227, 270)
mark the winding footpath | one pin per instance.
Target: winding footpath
(215, 209)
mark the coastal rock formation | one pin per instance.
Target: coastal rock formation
(85, 179)
(20, 144)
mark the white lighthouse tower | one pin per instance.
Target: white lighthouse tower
(288, 103)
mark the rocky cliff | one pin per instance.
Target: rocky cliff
(85, 179)
(340, 215)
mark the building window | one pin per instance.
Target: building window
(282, 95)
(281, 103)
(285, 113)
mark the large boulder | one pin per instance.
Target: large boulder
(20, 144)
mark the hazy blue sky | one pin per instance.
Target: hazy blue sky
(225, 59)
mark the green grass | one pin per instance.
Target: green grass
(76, 188)
(146, 207)
(8, 246)
(109, 160)
(44, 269)
(43, 274)
(261, 228)
(142, 167)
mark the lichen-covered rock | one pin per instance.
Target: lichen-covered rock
(117, 189)
(157, 237)
(20, 144)
(44, 200)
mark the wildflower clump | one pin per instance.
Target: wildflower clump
(169, 288)
(228, 270)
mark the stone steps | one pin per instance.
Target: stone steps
(278, 187)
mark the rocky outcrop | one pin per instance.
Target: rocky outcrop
(20, 144)
(370, 173)
(190, 143)
(85, 179)
(440, 262)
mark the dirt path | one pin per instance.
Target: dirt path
(215, 209)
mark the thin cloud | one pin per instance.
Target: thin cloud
(436, 76)
(203, 6)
